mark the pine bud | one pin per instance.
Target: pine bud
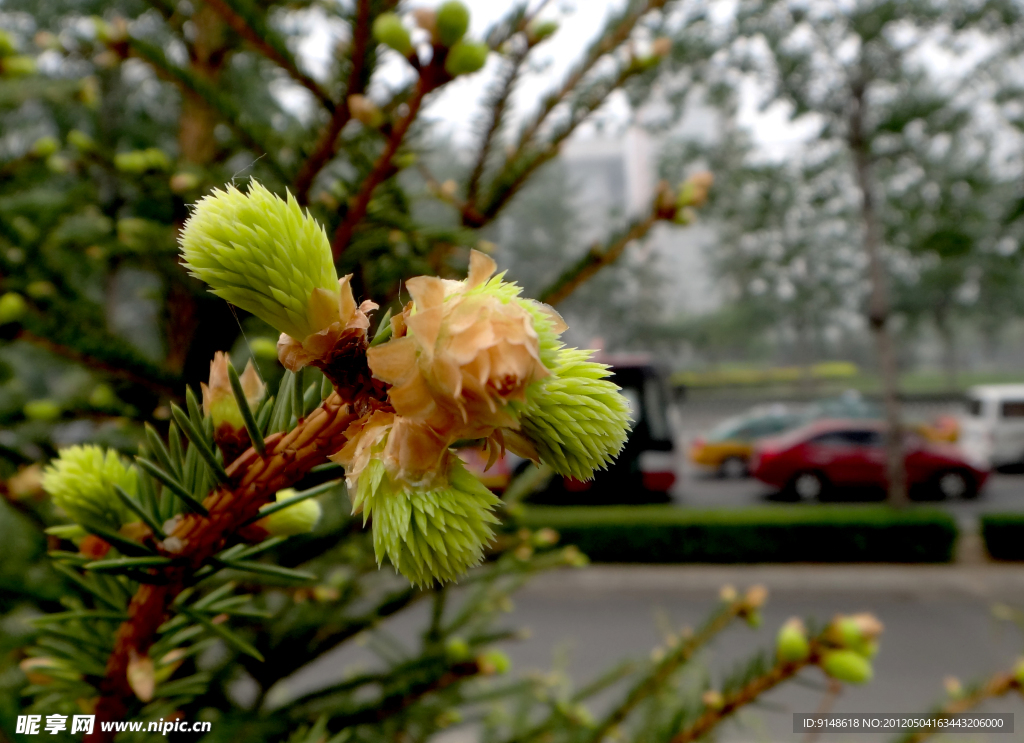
(576, 418)
(365, 111)
(268, 257)
(81, 141)
(858, 632)
(1018, 672)
(466, 57)
(388, 30)
(42, 410)
(452, 22)
(45, 146)
(17, 66)
(456, 649)
(537, 31)
(300, 518)
(432, 521)
(494, 662)
(8, 44)
(694, 190)
(847, 665)
(81, 481)
(12, 307)
(220, 404)
(791, 645)
(713, 699)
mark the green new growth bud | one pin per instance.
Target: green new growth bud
(102, 396)
(791, 645)
(40, 289)
(181, 182)
(436, 534)
(7, 44)
(537, 31)
(263, 348)
(494, 662)
(262, 254)
(388, 30)
(452, 22)
(42, 410)
(12, 307)
(81, 481)
(858, 632)
(456, 649)
(465, 57)
(848, 666)
(45, 146)
(301, 518)
(139, 161)
(1018, 672)
(576, 418)
(81, 141)
(17, 66)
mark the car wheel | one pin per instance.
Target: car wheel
(955, 484)
(733, 468)
(807, 485)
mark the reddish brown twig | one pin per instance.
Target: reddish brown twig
(741, 697)
(1000, 684)
(254, 479)
(431, 77)
(327, 142)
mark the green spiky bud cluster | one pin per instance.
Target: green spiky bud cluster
(434, 534)
(81, 481)
(576, 417)
(465, 57)
(261, 253)
(389, 30)
(452, 22)
(847, 665)
(300, 518)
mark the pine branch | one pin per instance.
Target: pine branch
(999, 684)
(498, 105)
(431, 77)
(113, 361)
(327, 142)
(253, 29)
(252, 481)
(598, 257)
(743, 696)
(616, 32)
(256, 139)
(668, 665)
(525, 161)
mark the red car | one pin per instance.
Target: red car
(808, 461)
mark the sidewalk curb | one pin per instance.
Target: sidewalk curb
(994, 581)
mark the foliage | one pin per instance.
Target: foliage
(777, 534)
(1002, 533)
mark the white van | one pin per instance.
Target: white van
(992, 430)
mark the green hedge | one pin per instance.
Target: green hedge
(1004, 535)
(666, 534)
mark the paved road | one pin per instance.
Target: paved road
(938, 622)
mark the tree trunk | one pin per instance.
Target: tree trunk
(949, 365)
(878, 305)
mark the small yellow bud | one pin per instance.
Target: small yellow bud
(494, 662)
(791, 645)
(728, 593)
(713, 699)
(365, 111)
(12, 307)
